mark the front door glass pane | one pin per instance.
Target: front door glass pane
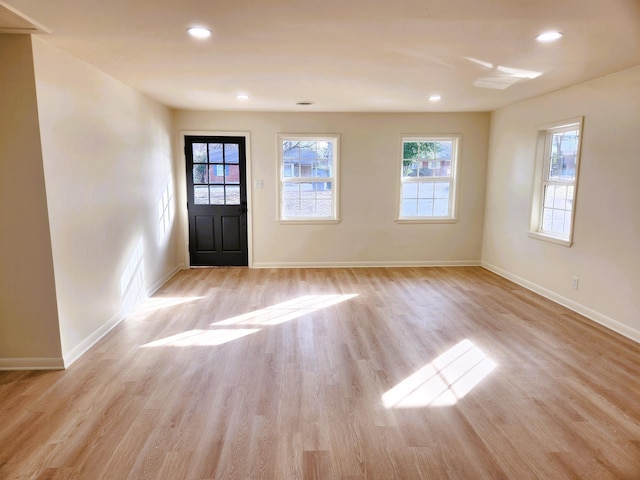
(199, 153)
(231, 153)
(232, 174)
(217, 194)
(201, 194)
(216, 173)
(200, 174)
(215, 153)
(233, 195)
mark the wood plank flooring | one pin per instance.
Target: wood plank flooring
(334, 374)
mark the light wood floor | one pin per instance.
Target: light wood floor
(338, 374)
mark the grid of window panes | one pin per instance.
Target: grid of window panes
(559, 181)
(427, 179)
(307, 178)
(216, 174)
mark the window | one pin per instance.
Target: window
(308, 186)
(216, 173)
(428, 179)
(557, 174)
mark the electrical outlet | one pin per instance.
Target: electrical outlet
(574, 282)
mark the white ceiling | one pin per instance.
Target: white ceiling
(12, 21)
(344, 55)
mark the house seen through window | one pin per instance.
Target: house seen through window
(427, 179)
(308, 177)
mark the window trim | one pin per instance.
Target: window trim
(453, 178)
(334, 179)
(543, 157)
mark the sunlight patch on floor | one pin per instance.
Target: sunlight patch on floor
(202, 338)
(270, 316)
(158, 303)
(444, 381)
(285, 311)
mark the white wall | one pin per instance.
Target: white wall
(107, 153)
(370, 149)
(29, 336)
(605, 255)
(106, 157)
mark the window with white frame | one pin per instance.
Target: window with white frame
(554, 202)
(428, 178)
(308, 170)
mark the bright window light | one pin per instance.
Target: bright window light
(165, 211)
(518, 72)
(202, 338)
(132, 284)
(158, 303)
(444, 381)
(285, 311)
(273, 315)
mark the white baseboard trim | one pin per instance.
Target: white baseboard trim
(445, 263)
(97, 335)
(156, 286)
(80, 349)
(38, 363)
(587, 312)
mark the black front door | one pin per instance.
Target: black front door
(217, 200)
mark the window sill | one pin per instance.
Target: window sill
(551, 239)
(426, 220)
(309, 221)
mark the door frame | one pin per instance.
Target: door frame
(181, 188)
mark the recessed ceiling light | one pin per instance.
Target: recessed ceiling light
(435, 98)
(551, 36)
(242, 97)
(199, 32)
